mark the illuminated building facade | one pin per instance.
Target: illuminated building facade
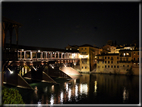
(119, 63)
(87, 57)
(108, 63)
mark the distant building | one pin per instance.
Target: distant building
(72, 48)
(119, 63)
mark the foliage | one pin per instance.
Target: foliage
(11, 96)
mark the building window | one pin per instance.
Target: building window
(126, 59)
(85, 48)
(114, 66)
(108, 57)
(82, 67)
(105, 66)
(105, 57)
(111, 66)
(111, 58)
(117, 66)
(134, 59)
(117, 61)
(111, 61)
(108, 62)
(117, 57)
(85, 67)
(123, 65)
(127, 53)
(82, 48)
(98, 66)
(66, 48)
(108, 66)
(138, 59)
(123, 59)
(127, 65)
(105, 62)
(123, 54)
(70, 48)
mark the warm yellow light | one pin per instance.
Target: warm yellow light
(83, 56)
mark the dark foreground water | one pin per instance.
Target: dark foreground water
(87, 89)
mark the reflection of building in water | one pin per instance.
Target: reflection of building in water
(125, 94)
(61, 97)
(76, 91)
(69, 95)
(52, 100)
(95, 86)
(83, 89)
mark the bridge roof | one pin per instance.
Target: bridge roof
(39, 48)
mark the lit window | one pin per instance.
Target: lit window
(124, 54)
(66, 48)
(70, 48)
(127, 53)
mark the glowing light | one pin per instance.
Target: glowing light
(51, 66)
(124, 54)
(39, 103)
(80, 88)
(34, 68)
(52, 88)
(95, 86)
(38, 50)
(83, 56)
(83, 88)
(69, 95)
(52, 100)
(73, 55)
(11, 72)
(125, 94)
(66, 86)
(76, 91)
(61, 97)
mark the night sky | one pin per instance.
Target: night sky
(57, 24)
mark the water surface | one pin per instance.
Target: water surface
(86, 89)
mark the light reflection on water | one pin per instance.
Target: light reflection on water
(94, 89)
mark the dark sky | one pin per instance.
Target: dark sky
(57, 24)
